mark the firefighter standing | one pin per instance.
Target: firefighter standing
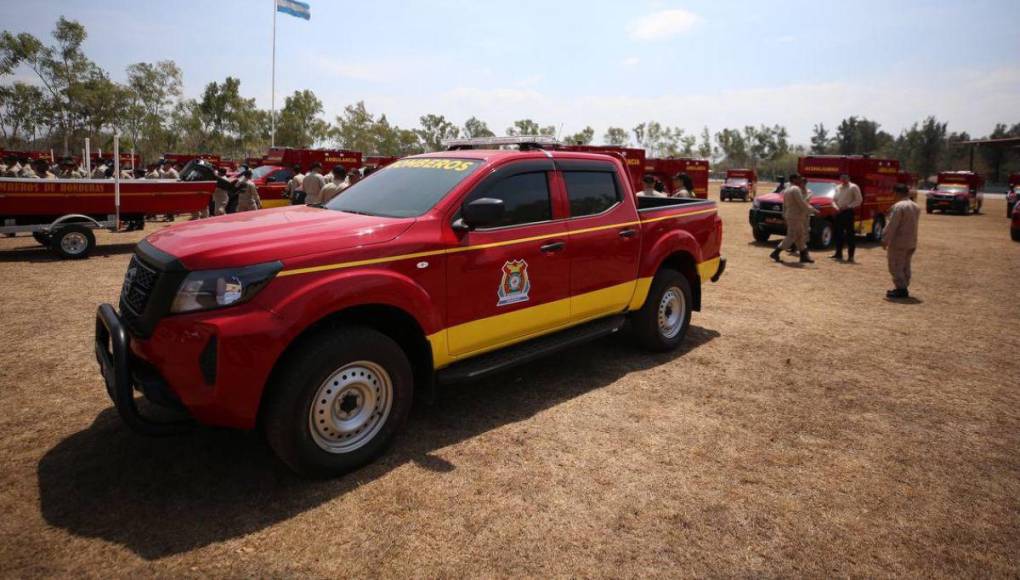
(294, 189)
(796, 212)
(900, 240)
(220, 196)
(684, 186)
(69, 169)
(313, 184)
(335, 185)
(42, 170)
(247, 194)
(847, 199)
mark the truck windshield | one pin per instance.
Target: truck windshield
(736, 182)
(407, 188)
(821, 188)
(261, 171)
(952, 188)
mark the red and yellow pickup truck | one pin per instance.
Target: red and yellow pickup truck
(317, 324)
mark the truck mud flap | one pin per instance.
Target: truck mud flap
(112, 354)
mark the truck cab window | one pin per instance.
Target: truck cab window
(525, 198)
(590, 192)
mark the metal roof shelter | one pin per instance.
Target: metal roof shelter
(1000, 143)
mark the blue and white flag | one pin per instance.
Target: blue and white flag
(294, 8)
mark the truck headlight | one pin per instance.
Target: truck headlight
(756, 203)
(208, 289)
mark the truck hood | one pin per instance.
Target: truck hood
(778, 198)
(254, 237)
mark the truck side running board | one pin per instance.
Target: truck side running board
(486, 364)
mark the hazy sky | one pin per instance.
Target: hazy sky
(572, 63)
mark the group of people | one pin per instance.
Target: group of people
(655, 188)
(314, 188)
(68, 168)
(899, 238)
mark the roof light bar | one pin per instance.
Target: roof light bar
(493, 142)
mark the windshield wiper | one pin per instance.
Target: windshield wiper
(360, 212)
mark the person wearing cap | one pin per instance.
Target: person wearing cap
(846, 201)
(336, 184)
(154, 170)
(293, 189)
(68, 169)
(247, 194)
(5, 165)
(99, 172)
(649, 190)
(25, 170)
(684, 186)
(899, 240)
(221, 195)
(171, 172)
(42, 169)
(313, 184)
(796, 213)
(353, 176)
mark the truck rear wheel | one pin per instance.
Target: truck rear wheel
(760, 235)
(877, 228)
(73, 241)
(336, 404)
(662, 322)
(821, 235)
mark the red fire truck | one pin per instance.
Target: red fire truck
(740, 183)
(956, 191)
(1012, 193)
(278, 167)
(377, 162)
(666, 170)
(876, 178)
(185, 158)
(62, 213)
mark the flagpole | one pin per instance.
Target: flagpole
(272, 119)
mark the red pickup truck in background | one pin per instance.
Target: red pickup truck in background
(1012, 193)
(277, 168)
(957, 191)
(318, 324)
(740, 183)
(876, 178)
(666, 170)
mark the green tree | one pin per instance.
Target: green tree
(820, 140)
(705, 148)
(434, 130)
(474, 128)
(732, 146)
(152, 89)
(354, 128)
(529, 127)
(616, 136)
(298, 124)
(582, 137)
(21, 109)
(60, 68)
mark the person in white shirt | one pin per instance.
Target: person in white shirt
(295, 187)
(846, 201)
(649, 190)
(684, 186)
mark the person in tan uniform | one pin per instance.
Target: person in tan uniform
(900, 240)
(42, 169)
(247, 194)
(796, 212)
(313, 184)
(293, 190)
(69, 169)
(220, 196)
(335, 185)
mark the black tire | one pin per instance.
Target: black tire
(760, 235)
(42, 238)
(296, 389)
(929, 209)
(645, 326)
(73, 242)
(877, 228)
(1015, 234)
(822, 234)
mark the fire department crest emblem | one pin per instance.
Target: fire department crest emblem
(515, 285)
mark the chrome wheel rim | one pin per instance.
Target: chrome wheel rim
(350, 407)
(878, 229)
(826, 237)
(74, 243)
(671, 312)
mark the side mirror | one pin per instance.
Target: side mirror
(480, 213)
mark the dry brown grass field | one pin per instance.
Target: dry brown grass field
(808, 427)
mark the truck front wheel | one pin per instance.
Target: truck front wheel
(760, 235)
(662, 322)
(337, 401)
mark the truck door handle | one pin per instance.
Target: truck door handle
(552, 247)
(628, 233)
